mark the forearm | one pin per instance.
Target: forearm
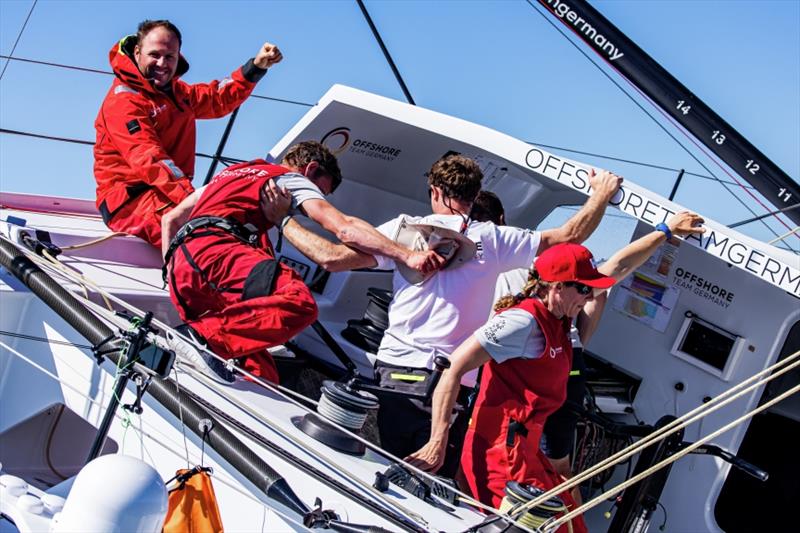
(633, 255)
(357, 233)
(585, 221)
(330, 256)
(589, 317)
(468, 356)
(444, 399)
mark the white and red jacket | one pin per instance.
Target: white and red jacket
(146, 136)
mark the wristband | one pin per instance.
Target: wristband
(659, 227)
(285, 221)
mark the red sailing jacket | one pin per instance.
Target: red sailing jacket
(515, 399)
(146, 137)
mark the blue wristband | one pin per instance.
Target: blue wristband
(663, 227)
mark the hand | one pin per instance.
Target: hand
(424, 261)
(275, 203)
(429, 458)
(268, 55)
(685, 223)
(606, 183)
(168, 231)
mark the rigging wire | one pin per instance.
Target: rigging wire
(11, 57)
(44, 339)
(19, 36)
(232, 160)
(386, 53)
(663, 128)
(154, 433)
(227, 161)
(224, 159)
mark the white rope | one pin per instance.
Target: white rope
(83, 281)
(622, 486)
(180, 412)
(698, 413)
(340, 415)
(87, 244)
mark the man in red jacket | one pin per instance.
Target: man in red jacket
(144, 154)
(224, 279)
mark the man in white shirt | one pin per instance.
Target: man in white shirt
(433, 317)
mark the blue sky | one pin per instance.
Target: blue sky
(499, 64)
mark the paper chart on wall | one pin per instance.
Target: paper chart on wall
(646, 296)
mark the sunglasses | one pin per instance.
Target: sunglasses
(582, 289)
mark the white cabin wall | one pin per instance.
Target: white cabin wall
(759, 312)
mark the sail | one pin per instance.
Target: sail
(680, 103)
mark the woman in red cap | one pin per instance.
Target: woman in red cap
(528, 356)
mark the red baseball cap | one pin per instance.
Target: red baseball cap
(571, 262)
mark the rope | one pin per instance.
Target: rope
(340, 415)
(612, 492)
(639, 163)
(83, 281)
(386, 54)
(91, 143)
(180, 413)
(94, 241)
(698, 413)
(244, 407)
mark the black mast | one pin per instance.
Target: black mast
(681, 104)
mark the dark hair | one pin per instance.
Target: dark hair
(533, 287)
(303, 153)
(146, 26)
(457, 176)
(488, 207)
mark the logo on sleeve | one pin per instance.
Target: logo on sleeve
(133, 126)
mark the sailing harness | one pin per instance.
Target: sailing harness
(202, 227)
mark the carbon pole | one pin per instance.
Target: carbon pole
(760, 217)
(677, 184)
(678, 103)
(221, 147)
(164, 391)
(386, 53)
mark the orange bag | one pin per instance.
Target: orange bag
(193, 504)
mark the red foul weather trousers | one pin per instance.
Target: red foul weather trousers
(239, 299)
(141, 216)
(489, 466)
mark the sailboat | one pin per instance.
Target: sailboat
(694, 321)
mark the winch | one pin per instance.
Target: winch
(342, 405)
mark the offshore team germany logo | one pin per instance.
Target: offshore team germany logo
(337, 140)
